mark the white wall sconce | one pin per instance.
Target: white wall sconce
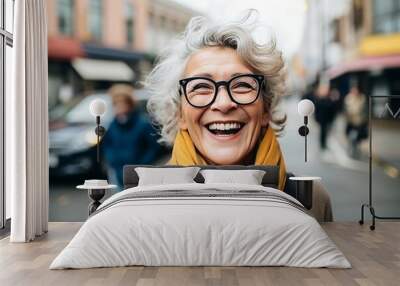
(305, 108)
(97, 109)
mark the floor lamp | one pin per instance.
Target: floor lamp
(370, 202)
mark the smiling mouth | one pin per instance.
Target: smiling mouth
(224, 128)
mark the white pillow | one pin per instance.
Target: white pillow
(163, 176)
(248, 177)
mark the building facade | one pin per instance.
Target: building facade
(320, 47)
(353, 41)
(94, 43)
(370, 37)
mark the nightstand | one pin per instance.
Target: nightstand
(96, 191)
(304, 190)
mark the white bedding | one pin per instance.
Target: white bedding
(185, 230)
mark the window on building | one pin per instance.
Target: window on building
(163, 31)
(65, 16)
(6, 44)
(386, 16)
(163, 21)
(95, 15)
(358, 14)
(151, 35)
(130, 21)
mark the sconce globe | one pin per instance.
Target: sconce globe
(97, 107)
(305, 107)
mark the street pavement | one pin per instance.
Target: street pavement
(345, 179)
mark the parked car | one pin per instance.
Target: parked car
(72, 140)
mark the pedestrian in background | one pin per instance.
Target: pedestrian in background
(355, 106)
(130, 138)
(326, 102)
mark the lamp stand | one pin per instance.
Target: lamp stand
(305, 138)
(100, 130)
(303, 131)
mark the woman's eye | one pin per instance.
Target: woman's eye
(201, 86)
(243, 85)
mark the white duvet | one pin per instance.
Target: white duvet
(185, 230)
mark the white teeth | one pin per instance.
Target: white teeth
(224, 126)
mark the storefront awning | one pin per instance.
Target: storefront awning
(365, 64)
(380, 45)
(64, 48)
(101, 52)
(103, 70)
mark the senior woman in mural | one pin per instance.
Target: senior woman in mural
(215, 96)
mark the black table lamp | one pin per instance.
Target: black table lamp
(305, 108)
(97, 109)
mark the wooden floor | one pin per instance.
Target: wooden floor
(374, 255)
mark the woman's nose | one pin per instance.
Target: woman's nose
(223, 102)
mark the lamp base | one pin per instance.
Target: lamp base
(96, 195)
(374, 216)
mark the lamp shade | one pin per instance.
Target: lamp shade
(305, 107)
(97, 107)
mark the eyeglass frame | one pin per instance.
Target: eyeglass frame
(184, 82)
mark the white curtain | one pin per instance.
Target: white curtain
(27, 124)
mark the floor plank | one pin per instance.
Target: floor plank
(374, 255)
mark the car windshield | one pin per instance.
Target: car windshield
(77, 110)
(80, 112)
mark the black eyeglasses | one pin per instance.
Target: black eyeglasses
(202, 91)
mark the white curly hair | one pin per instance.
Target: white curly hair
(164, 105)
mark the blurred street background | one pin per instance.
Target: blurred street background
(338, 54)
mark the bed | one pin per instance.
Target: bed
(201, 224)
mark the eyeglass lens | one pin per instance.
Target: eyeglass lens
(201, 92)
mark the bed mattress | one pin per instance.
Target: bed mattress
(201, 225)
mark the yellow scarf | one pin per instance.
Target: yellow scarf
(268, 153)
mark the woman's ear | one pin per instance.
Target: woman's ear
(182, 122)
(265, 119)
